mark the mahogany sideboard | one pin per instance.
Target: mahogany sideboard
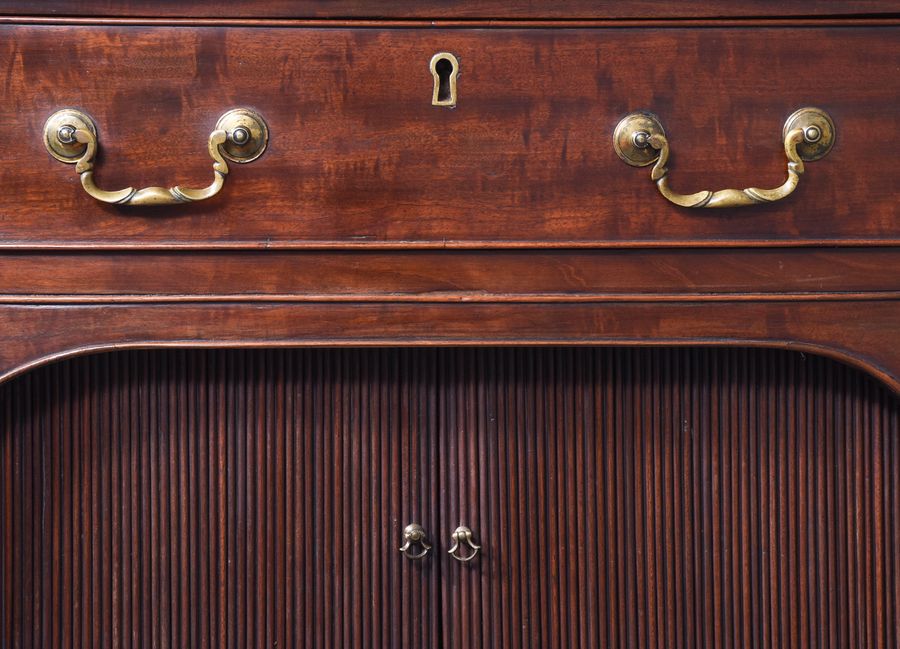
(438, 354)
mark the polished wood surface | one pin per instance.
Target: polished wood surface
(565, 275)
(452, 8)
(499, 264)
(676, 499)
(621, 497)
(359, 156)
(860, 332)
(218, 500)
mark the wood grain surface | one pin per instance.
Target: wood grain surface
(621, 497)
(358, 156)
(451, 8)
(451, 275)
(489, 271)
(860, 332)
(218, 500)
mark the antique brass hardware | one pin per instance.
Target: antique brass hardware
(640, 140)
(240, 135)
(413, 534)
(463, 535)
(444, 68)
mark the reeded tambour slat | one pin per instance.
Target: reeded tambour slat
(634, 498)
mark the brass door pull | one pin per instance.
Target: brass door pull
(640, 140)
(462, 535)
(413, 534)
(240, 135)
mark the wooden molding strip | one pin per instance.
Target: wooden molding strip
(860, 333)
(89, 246)
(450, 298)
(475, 23)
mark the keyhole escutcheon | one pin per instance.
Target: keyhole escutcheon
(444, 68)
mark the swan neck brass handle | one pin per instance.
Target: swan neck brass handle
(640, 140)
(462, 535)
(241, 135)
(414, 534)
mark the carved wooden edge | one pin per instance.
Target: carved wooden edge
(853, 19)
(11, 244)
(862, 334)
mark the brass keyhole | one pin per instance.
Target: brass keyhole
(444, 68)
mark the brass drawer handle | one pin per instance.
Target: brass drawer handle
(640, 140)
(240, 135)
(414, 534)
(463, 535)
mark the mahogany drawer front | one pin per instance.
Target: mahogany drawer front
(435, 276)
(358, 156)
(430, 9)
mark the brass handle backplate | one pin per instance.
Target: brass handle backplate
(240, 135)
(462, 535)
(414, 534)
(640, 140)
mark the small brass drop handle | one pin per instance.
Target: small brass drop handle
(414, 534)
(70, 136)
(640, 140)
(462, 535)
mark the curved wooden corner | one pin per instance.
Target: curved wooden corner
(861, 333)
